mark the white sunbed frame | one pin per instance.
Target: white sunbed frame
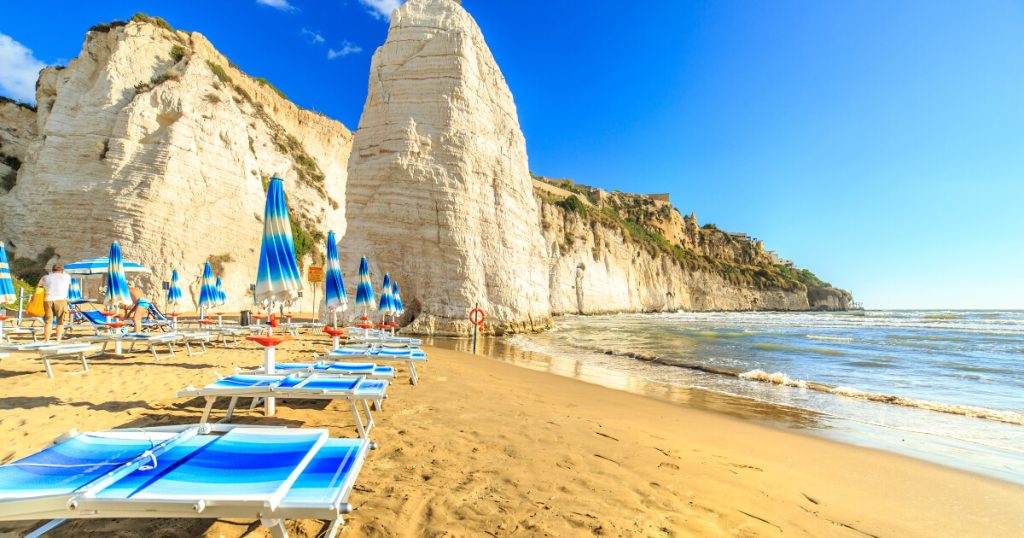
(297, 392)
(84, 504)
(47, 352)
(410, 361)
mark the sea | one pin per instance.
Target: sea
(941, 385)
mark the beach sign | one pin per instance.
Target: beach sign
(315, 273)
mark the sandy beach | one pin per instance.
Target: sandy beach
(485, 447)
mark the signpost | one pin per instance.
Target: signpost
(315, 275)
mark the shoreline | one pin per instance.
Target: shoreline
(789, 417)
(484, 446)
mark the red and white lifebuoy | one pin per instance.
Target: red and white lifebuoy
(477, 317)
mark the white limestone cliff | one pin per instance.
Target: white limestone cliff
(152, 138)
(439, 190)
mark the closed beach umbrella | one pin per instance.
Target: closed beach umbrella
(364, 292)
(396, 299)
(222, 298)
(174, 295)
(386, 306)
(117, 284)
(98, 266)
(334, 286)
(74, 291)
(278, 279)
(6, 284)
(207, 289)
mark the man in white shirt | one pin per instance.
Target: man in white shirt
(55, 303)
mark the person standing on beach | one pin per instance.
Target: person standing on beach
(55, 302)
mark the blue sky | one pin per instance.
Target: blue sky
(878, 143)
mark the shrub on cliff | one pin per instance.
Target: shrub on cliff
(142, 17)
(177, 53)
(106, 27)
(218, 71)
(268, 84)
(572, 204)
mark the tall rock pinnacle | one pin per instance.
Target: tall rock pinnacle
(439, 189)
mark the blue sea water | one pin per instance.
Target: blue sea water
(947, 386)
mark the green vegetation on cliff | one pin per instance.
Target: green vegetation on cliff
(640, 219)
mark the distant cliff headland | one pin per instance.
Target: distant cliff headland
(153, 138)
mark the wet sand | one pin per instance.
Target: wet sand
(485, 447)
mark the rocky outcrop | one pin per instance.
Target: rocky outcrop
(153, 138)
(17, 131)
(616, 256)
(439, 190)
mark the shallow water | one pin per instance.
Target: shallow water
(946, 386)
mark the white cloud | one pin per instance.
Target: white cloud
(314, 37)
(19, 70)
(346, 49)
(283, 5)
(381, 8)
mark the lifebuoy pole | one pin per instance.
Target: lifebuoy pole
(475, 326)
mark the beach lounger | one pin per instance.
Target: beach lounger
(399, 340)
(409, 355)
(48, 351)
(367, 369)
(239, 472)
(151, 341)
(356, 390)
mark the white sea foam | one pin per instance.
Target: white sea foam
(828, 338)
(777, 378)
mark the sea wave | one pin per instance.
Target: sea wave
(777, 378)
(782, 379)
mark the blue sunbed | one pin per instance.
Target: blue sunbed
(356, 390)
(271, 474)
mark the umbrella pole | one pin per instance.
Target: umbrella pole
(269, 362)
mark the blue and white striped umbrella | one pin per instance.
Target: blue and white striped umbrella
(364, 293)
(207, 288)
(174, 295)
(334, 286)
(222, 298)
(387, 305)
(6, 284)
(117, 284)
(396, 299)
(98, 266)
(74, 291)
(278, 279)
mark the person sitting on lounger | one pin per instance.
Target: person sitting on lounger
(140, 309)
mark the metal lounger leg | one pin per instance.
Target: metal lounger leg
(49, 369)
(231, 409)
(209, 407)
(332, 530)
(369, 416)
(85, 363)
(412, 372)
(188, 348)
(276, 527)
(359, 419)
(49, 526)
